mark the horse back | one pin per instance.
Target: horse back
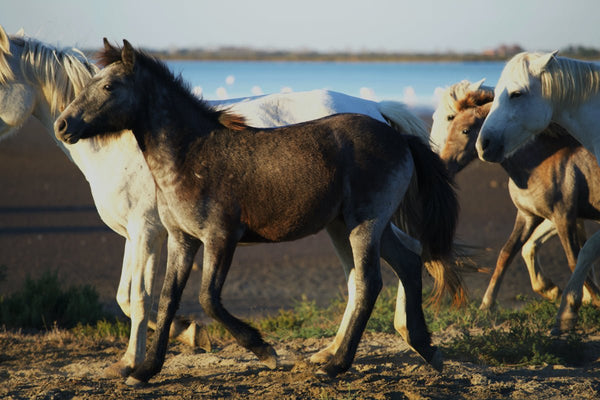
(286, 183)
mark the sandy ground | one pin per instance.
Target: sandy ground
(48, 221)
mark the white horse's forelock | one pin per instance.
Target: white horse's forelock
(564, 81)
(60, 73)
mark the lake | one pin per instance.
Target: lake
(415, 83)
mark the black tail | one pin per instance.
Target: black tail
(429, 212)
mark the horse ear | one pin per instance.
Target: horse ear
(542, 61)
(107, 45)
(128, 56)
(473, 87)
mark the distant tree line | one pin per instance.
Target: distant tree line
(501, 53)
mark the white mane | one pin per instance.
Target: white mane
(60, 73)
(563, 80)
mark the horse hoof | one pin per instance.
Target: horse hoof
(555, 331)
(322, 357)
(331, 370)
(268, 357)
(117, 370)
(135, 383)
(196, 336)
(437, 360)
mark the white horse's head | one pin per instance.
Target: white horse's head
(37, 79)
(17, 98)
(446, 110)
(521, 107)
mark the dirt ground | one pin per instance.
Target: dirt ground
(48, 221)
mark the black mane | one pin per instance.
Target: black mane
(161, 71)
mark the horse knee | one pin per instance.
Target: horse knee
(124, 302)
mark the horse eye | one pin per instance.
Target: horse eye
(466, 131)
(515, 94)
(451, 117)
(108, 87)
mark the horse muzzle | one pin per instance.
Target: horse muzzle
(490, 150)
(61, 130)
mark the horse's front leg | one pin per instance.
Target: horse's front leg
(181, 251)
(218, 253)
(142, 254)
(522, 230)
(566, 318)
(540, 283)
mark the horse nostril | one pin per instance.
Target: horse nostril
(62, 126)
(485, 143)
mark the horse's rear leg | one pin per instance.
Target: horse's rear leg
(217, 260)
(366, 276)
(570, 239)
(566, 318)
(409, 319)
(181, 251)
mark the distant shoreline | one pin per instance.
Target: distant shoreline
(245, 54)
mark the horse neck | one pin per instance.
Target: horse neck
(524, 161)
(57, 76)
(165, 136)
(582, 122)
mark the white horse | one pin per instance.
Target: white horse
(40, 80)
(533, 90)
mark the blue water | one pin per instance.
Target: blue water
(414, 83)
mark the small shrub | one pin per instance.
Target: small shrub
(42, 304)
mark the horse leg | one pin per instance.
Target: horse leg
(131, 358)
(181, 250)
(539, 282)
(570, 239)
(522, 230)
(217, 260)
(409, 319)
(338, 234)
(566, 318)
(364, 240)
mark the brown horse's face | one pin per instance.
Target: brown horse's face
(459, 149)
(105, 106)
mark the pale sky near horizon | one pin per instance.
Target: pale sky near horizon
(323, 25)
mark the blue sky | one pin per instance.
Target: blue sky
(324, 25)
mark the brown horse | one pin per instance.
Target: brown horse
(220, 182)
(552, 178)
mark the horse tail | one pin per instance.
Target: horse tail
(429, 212)
(403, 120)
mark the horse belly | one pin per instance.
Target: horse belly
(291, 211)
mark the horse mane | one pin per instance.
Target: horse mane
(457, 92)
(161, 71)
(6, 73)
(473, 99)
(61, 74)
(564, 81)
